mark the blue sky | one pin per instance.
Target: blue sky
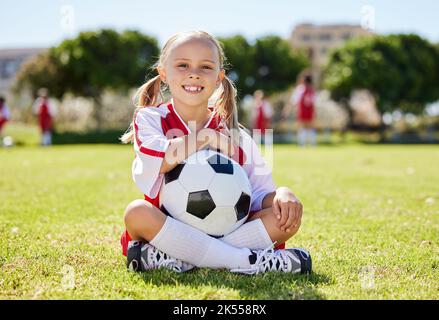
(44, 23)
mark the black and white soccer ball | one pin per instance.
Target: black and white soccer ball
(208, 191)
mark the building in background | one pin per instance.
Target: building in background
(10, 62)
(318, 40)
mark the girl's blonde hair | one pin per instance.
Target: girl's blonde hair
(151, 93)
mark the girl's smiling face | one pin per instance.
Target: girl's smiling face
(192, 70)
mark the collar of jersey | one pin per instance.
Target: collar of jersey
(211, 108)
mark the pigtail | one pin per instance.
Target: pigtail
(149, 94)
(227, 108)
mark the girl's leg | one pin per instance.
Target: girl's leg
(270, 222)
(49, 137)
(46, 138)
(313, 136)
(252, 235)
(301, 136)
(181, 241)
(145, 222)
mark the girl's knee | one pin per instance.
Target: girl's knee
(136, 210)
(143, 220)
(293, 230)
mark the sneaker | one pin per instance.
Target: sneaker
(142, 256)
(295, 260)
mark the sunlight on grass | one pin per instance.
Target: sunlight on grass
(371, 222)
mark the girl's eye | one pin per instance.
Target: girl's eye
(185, 66)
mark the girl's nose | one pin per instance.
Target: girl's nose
(194, 76)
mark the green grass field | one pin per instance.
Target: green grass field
(371, 222)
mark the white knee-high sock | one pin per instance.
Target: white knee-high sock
(189, 244)
(49, 138)
(312, 136)
(301, 136)
(252, 235)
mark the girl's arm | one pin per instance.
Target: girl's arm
(268, 200)
(181, 148)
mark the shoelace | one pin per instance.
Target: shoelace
(162, 262)
(170, 263)
(284, 261)
(263, 260)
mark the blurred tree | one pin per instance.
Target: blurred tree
(402, 71)
(276, 65)
(239, 64)
(43, 70)
(92, 62)
(269, 64)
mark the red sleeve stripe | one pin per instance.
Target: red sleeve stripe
(150, 152)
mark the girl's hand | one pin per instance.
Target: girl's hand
(287, 208)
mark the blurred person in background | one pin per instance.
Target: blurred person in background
(45, 110)
(262, 113)
(303, 101)
(4, 114)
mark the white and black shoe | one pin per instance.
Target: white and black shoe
(295, 260)
(142, 256)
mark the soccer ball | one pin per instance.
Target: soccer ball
(8, 141)
(207, 191)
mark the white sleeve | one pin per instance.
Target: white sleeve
(150, 146)
(268, 110)
(258, 172)
(36, 106)
(297, 93)
(6, 113)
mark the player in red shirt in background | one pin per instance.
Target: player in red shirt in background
(45, 110)
(4, 113)
(261, 112)
(303, 100)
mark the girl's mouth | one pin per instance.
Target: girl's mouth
(192, 89)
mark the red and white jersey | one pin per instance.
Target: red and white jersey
(155, 126)
(265, 108)
(51, 106)
(297, 95)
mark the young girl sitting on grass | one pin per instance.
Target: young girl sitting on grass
(191, 66)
